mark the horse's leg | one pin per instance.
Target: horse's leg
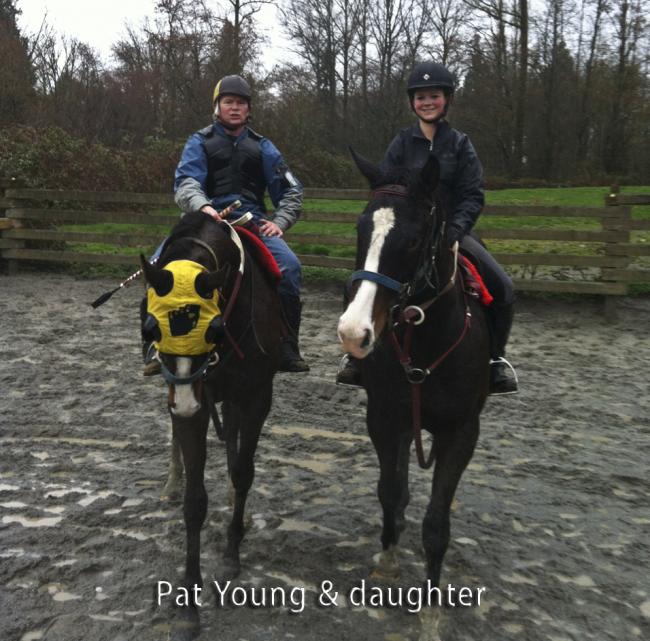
(249, 418)
(403, 459)
(173, 487)
(191, 435)
(453, 452)
(232, 447)
(393, 497)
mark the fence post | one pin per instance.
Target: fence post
(6, 223)
(616, 220)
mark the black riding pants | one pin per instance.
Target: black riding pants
(495, 277)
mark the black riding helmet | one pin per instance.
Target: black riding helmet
(430, 75)
(231, 85)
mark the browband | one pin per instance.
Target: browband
(391, 190)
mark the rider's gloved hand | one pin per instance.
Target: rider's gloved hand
(454, 233)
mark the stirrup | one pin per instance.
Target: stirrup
(502, 360)
(151, 362)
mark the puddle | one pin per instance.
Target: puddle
(119, 445)
(309, 433)
(94, 497)
(13, 505)
(27, 521)
(132, 534)
(306, 464)
(294, 525)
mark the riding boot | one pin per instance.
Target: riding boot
(290, 358)
(151, 363)
(349, 374)
(503, 378)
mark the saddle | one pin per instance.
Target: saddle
(472, 280)
(260, 253)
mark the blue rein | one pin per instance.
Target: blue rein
(378, 278)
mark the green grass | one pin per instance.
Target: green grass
(566, 197)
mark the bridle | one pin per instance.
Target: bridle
(211, 358)
(425, 278)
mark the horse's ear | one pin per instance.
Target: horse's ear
(206, 282)
(162, 280)
(370, 171)
(428, 178)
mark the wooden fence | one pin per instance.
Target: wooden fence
(35, 226)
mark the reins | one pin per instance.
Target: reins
(416, 376)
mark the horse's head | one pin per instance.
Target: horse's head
(184, 316)
(396, 225)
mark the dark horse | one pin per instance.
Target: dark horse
(239, 372)
(423, 345)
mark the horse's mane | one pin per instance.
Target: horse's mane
(192, 225)
(395, 176)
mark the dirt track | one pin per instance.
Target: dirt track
(552, 516)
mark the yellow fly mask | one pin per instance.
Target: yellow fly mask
(183, 316)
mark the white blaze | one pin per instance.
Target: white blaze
(355, 325)
(186, 403)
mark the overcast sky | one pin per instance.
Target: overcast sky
(100, 24)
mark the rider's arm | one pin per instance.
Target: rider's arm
(394, 156)
(191, 175)
(467, 189)
(285, 189)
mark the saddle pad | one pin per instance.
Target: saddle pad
(260, 253)
(473, 280)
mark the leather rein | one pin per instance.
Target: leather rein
(412, 315)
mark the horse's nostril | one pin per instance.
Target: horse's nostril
(366, 339)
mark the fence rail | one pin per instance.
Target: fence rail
(33, 228)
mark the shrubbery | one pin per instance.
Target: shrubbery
(51, 158)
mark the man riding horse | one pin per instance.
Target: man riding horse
(431, 90)
(228, 161)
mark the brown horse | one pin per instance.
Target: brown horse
(246, 334)
(423, 349)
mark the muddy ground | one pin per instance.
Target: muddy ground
(552, 517)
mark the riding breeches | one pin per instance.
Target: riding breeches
(288, 263)
(497, 281)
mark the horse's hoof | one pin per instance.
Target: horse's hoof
(380, 576)
(430, 620)
(172, 492)
(387, 569)
(186, 625)
(229, 570)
